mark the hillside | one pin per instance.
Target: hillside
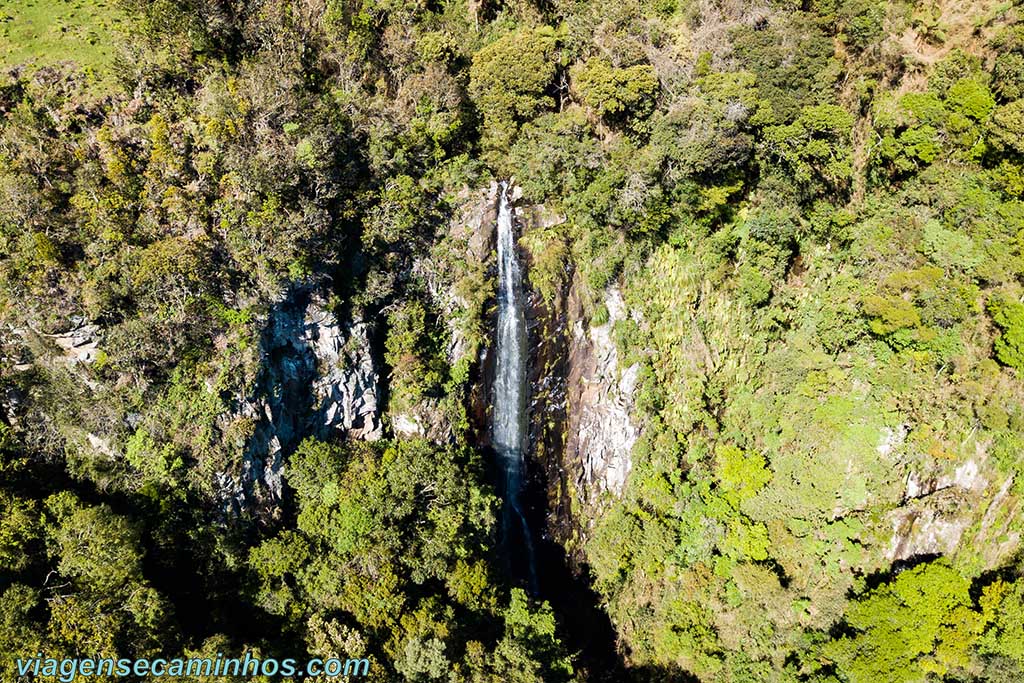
(772, 311)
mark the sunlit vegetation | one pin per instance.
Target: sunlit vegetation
(48, 32)
(815, 215)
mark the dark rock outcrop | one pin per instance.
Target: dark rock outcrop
(318, 378)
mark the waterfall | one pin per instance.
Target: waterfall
(509, 426)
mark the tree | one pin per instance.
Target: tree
(815, 149)
(508, 82)
(1008, 315)
(919, 624)
(626, 96)
(1006, 128)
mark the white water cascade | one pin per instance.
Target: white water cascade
(509, 425)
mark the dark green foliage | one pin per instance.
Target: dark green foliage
(814, 150)
(389, 548)
(793, 60)
(1008, 70)
(862, 22)
(803, 209)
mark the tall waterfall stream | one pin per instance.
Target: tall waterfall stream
(509, 411)
(585, 624)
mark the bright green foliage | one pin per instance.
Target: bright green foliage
(915, 308)
(802, 206)
(912, 131)
(19, 532)
(949, 248)
(20, 636)
(556, 154)
(922, 623)
(549, 253)
(741, 476)
(415, 370)
(1003, 606)
(626, 95)
(971, 98)
(93, 545)
(911, 148)
(528, 633)
(104, 602)
(48, 31)
(1008, 315)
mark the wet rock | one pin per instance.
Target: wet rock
(475, 221)
(580, 403)
(926, 530)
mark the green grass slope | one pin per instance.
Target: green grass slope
(47, 32)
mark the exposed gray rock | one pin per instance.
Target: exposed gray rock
(81, 344)
(966, 476)
(925, 530)
(892, 439)
(318, 378)
(346, 387)
(475, 221)
(601, 430)
(427, 419)
(942, 505)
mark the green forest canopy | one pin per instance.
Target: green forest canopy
(826, 196)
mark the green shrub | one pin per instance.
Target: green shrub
(622, 95)
(862, 22)
(971, 98)
(1008, 76)
(815, 148)
(1008, 315)
(949, 248)
(921, 622)
(1006, 128)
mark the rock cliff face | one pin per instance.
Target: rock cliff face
(581, 399)
(318, 379)
(463, 254)
(941, 512)
(601, 432)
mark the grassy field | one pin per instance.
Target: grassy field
(43, 32)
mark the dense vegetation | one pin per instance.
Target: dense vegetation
(814, 212)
